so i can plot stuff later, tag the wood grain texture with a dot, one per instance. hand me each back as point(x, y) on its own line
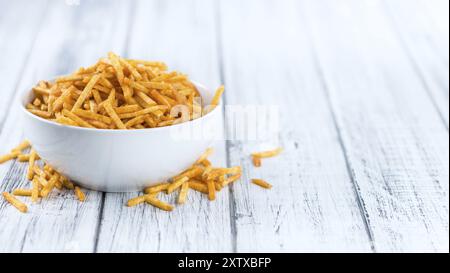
point(68, 41)
point(181, 33)
point(17, 34)
point(312, 206)
point(394, 140)
point(426, 44)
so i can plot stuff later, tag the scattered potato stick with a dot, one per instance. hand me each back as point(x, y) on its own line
point(217, 95)
point(176, 184)
point(266, 154)
point(22, 192)
point(50, 185)
point(9, 156)
point(30, 171)
point(211, 190)
point(23, 157)
point(205, 155)
point(158, 203)
point(136, 201)
point(38, 171)
point(66, 182)
point(206, 163)
point(206, 172)
point(261, 183)
point(183, 193)
point(15, 202)
point(79, 194)
point(42, 181)
point(256, 160)
point(192, 172)
point(157, 188)
point(35, 190)
point(58, 184)
point(22, 146)
point(218, 185)
point(198, 186)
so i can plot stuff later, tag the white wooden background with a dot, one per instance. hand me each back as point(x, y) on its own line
point(363, 88)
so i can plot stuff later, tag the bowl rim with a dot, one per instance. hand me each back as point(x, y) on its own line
point(24, 96)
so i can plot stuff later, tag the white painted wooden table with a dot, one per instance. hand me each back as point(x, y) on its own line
point(363, 88)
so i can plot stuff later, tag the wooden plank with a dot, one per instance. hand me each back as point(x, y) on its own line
point(182, 33)
point(426, 43)
point(395, 142)
point(268, 61)
point(17, 34)
point(65, 42)
point(438, 12)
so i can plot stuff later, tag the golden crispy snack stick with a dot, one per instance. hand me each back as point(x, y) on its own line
point(217, 95)
point(183, 193)
point(157, 188)
point(15, 202)
point(30, 171)
point(211, 190)
point(205, 155)
point(109, 109)
point(261, 183)
point(158, 203)
point(256, 160)
point(9, 156)
point(136, 201)
point(35, 190)
point(198, 186)
point(91, 115)
point(81, 122)
point(22, 146)
point(79, 194)
point(269, 153)
point(86, 92)
point(176, 184)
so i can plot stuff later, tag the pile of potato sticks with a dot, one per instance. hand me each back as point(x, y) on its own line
point(119, 93)
point(43, 177)
point(201, 177)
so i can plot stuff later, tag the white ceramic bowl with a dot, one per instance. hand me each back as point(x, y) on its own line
point(122, 160)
